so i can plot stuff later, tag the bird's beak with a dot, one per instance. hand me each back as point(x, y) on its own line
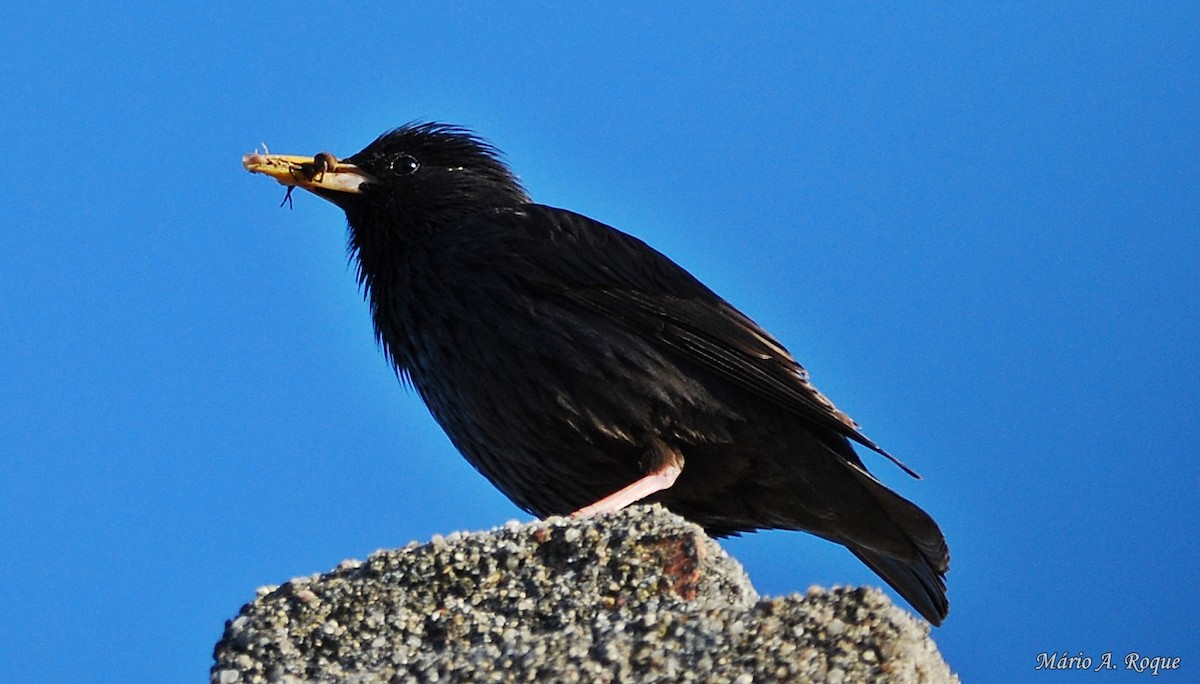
point(322, 175)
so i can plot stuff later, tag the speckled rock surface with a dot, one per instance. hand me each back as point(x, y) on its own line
point(637, 596)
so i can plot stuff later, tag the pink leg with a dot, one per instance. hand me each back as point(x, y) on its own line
point(655, 481)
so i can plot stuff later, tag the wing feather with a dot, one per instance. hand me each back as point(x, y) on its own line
point(615, 274)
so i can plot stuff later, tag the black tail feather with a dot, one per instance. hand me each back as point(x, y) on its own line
point(919, 583)
point(911, 555)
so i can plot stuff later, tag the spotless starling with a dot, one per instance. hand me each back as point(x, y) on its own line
point(581, 371)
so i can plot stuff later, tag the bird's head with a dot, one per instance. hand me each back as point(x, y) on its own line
point(417, 175)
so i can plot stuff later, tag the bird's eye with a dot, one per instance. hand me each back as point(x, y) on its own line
point(405, 164)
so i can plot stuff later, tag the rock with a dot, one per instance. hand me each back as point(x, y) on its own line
point(637, 596)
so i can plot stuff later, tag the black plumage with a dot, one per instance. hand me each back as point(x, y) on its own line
point(567, 360)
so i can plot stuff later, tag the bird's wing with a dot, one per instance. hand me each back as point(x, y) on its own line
point(614, 273)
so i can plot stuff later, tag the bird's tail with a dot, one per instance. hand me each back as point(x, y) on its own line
point(915, 558)
point(919, 583)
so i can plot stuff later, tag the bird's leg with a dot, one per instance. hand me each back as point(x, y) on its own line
point(655, 481)
point(664, 464)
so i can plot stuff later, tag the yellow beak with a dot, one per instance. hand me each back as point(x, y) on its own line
point(316, 174)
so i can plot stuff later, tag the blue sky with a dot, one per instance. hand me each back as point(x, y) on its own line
point(977, 226)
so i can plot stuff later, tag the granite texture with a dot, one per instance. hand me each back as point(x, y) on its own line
point(636, 596)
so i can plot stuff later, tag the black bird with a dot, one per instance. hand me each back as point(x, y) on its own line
point(580, 370)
